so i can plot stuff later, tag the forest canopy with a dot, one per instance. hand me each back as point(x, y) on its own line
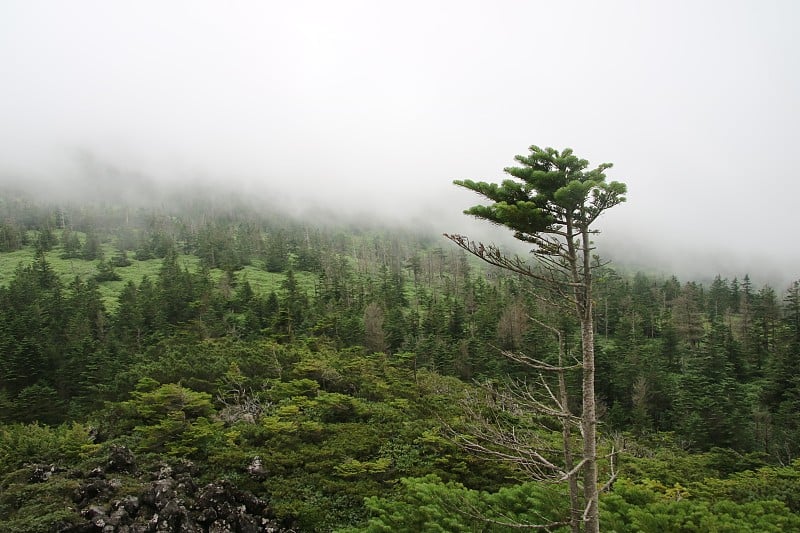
point(321, 373)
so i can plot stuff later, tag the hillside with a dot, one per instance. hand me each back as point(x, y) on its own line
point(204, 364)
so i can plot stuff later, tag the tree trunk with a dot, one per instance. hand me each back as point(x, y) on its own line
point(589, 430)
point(569, 462)
point(575, 517)
point(589, 417)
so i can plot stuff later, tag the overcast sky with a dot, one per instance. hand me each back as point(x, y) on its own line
point(377, 106)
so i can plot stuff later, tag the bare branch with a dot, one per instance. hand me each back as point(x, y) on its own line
point(612, 465)
point(494, 256)
point(536, 363)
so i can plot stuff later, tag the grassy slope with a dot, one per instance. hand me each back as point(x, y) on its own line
point(261, 281)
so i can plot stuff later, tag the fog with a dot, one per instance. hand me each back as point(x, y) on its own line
point(372, 109)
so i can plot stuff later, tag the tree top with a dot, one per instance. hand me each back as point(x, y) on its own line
point(553, 193)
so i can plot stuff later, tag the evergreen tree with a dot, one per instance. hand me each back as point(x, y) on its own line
point(175, 290)
point(86, 368)
point(92, 249)
point(395, 327)
point(105, 272)
point(120, 259)
point(735, 296)
point(276, 257)
point(782, 389)
point(765, 319)
point(31, 331)
point(46, 239)
point(70, 244)
point(719, 298)
point(128, 324)
point(293, 306)
point(687, 314)
point(11, 236)
point(553, 205)
point(711, 409)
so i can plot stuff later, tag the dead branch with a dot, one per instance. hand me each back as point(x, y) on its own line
point(494, 256)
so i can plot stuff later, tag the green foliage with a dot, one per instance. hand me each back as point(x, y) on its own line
point(106, 272)
point(37, 507)
point(551, 185)
point(92, 249)
point(46, 239)
point(39, 402)
point(710, 403)
point(180, 359)
point(426, 504)
point(652, 507)
point(167, 419)
point(34, 443)
point(11, 236)
point(660, 457)
point(763, 484)
point(152, 405)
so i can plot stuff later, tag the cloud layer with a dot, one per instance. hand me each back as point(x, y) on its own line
point(369, 107)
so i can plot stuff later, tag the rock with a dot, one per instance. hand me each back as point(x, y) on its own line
point(93, 511)
point(219, 526)
point(159, 493)
point(119, 516)
point(175, 515)
point(123, 512)
point(93, 489)
point(256, 469)
point(41, 473)
point(169, 502)
point(129, 503)
point(121, 459)
point(184, 467)
point(222, 507)
point(248, 524)
point(164, 472)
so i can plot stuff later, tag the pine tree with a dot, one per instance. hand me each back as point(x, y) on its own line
point(552, 205)
point(710, 407)
point(175, 290)
point(91, 248)
point(11, 236)
point(276, 258)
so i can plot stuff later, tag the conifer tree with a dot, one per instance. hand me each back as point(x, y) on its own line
point(91, 248)
point(552, 205)
point(11, 236)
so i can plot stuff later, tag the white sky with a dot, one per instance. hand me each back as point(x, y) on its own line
point(377, 106)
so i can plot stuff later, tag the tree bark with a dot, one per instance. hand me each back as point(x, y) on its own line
point(589, 431)
point(589, 416)
point(569, 462)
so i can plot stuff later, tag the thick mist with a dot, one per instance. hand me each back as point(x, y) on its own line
point(364, 110)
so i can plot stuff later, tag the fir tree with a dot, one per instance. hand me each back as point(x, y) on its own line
point(552, 205)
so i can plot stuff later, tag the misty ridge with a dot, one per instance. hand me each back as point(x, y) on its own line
point(238, 354)
point(368, 112)
point(91, 179)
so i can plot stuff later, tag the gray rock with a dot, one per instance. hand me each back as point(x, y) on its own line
point(121, 459)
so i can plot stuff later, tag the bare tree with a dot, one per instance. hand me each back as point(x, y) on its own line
point(374, 335)
point(514, 422)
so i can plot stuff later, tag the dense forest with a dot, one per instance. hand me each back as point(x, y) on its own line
point(205, 364)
